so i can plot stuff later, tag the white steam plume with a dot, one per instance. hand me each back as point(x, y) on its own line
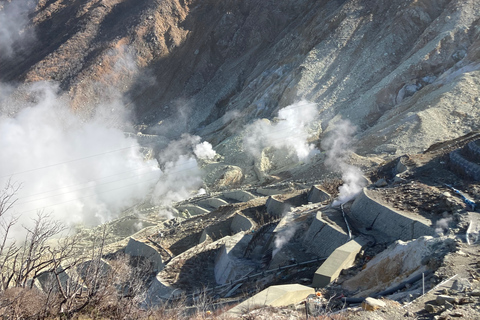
point(286, 233)
point(84, 172)
point(339, 147)
point(204, 151)
point(14, 32)
point(182, 176)
point(442, 225)
point(290, 132)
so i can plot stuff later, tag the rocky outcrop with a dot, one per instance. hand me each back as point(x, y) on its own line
point(399, 262)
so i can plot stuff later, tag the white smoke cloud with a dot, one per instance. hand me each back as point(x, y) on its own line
point(182, 176)
point(181, 179)
point(286, 232)
point(14, 32)
point(442, 225)
point(84, 172)
point(204, 151)
point(339, 148)
point(282, 238)
point(290, 132)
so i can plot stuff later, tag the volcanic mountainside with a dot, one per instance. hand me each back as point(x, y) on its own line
point(301, 106)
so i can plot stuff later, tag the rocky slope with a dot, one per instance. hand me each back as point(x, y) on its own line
point(283, 91)
point(404, 72)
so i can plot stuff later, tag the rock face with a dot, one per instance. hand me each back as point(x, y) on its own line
point(400, 261)
point(405, 72)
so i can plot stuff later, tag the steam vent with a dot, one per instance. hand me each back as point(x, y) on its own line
point(240, 159)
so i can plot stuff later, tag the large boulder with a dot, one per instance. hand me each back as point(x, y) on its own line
point(398, 263)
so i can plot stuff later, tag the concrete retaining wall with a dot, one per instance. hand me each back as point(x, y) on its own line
point(213, 202)
point(268, 192)
point(241, 223)
point(474, 149)
point(317, 194)
point(323, 237)
point(239, 195)
point(341, 258)
point(88, 268)
point(137, 248)
point(229, 264)
point(193, 210)
point(470, 169)
point(276, 207)
point(68, 279)
point(159, 292)
point(385, 223)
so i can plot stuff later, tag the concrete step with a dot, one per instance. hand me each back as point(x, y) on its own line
point(341, 258)
point(274, 296)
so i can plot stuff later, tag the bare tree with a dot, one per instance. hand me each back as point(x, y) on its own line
point(7, 220)
point(49, 274)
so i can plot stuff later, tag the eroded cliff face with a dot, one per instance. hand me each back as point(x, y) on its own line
point(405, 72)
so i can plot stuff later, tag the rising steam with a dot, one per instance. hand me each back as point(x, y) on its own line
point(86, 171)
point(339, 148)
point(182, 174)
point(290, 132)
point(286, 233)
point(14, 32)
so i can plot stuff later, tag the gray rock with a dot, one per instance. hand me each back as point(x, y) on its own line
point(372, 304)
point(448, 305)
point(381, 183)
point(430, 308)
point(442, 299)
point(400, 167)
point(461, 285)
point(397, 179)
point(475, 293)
